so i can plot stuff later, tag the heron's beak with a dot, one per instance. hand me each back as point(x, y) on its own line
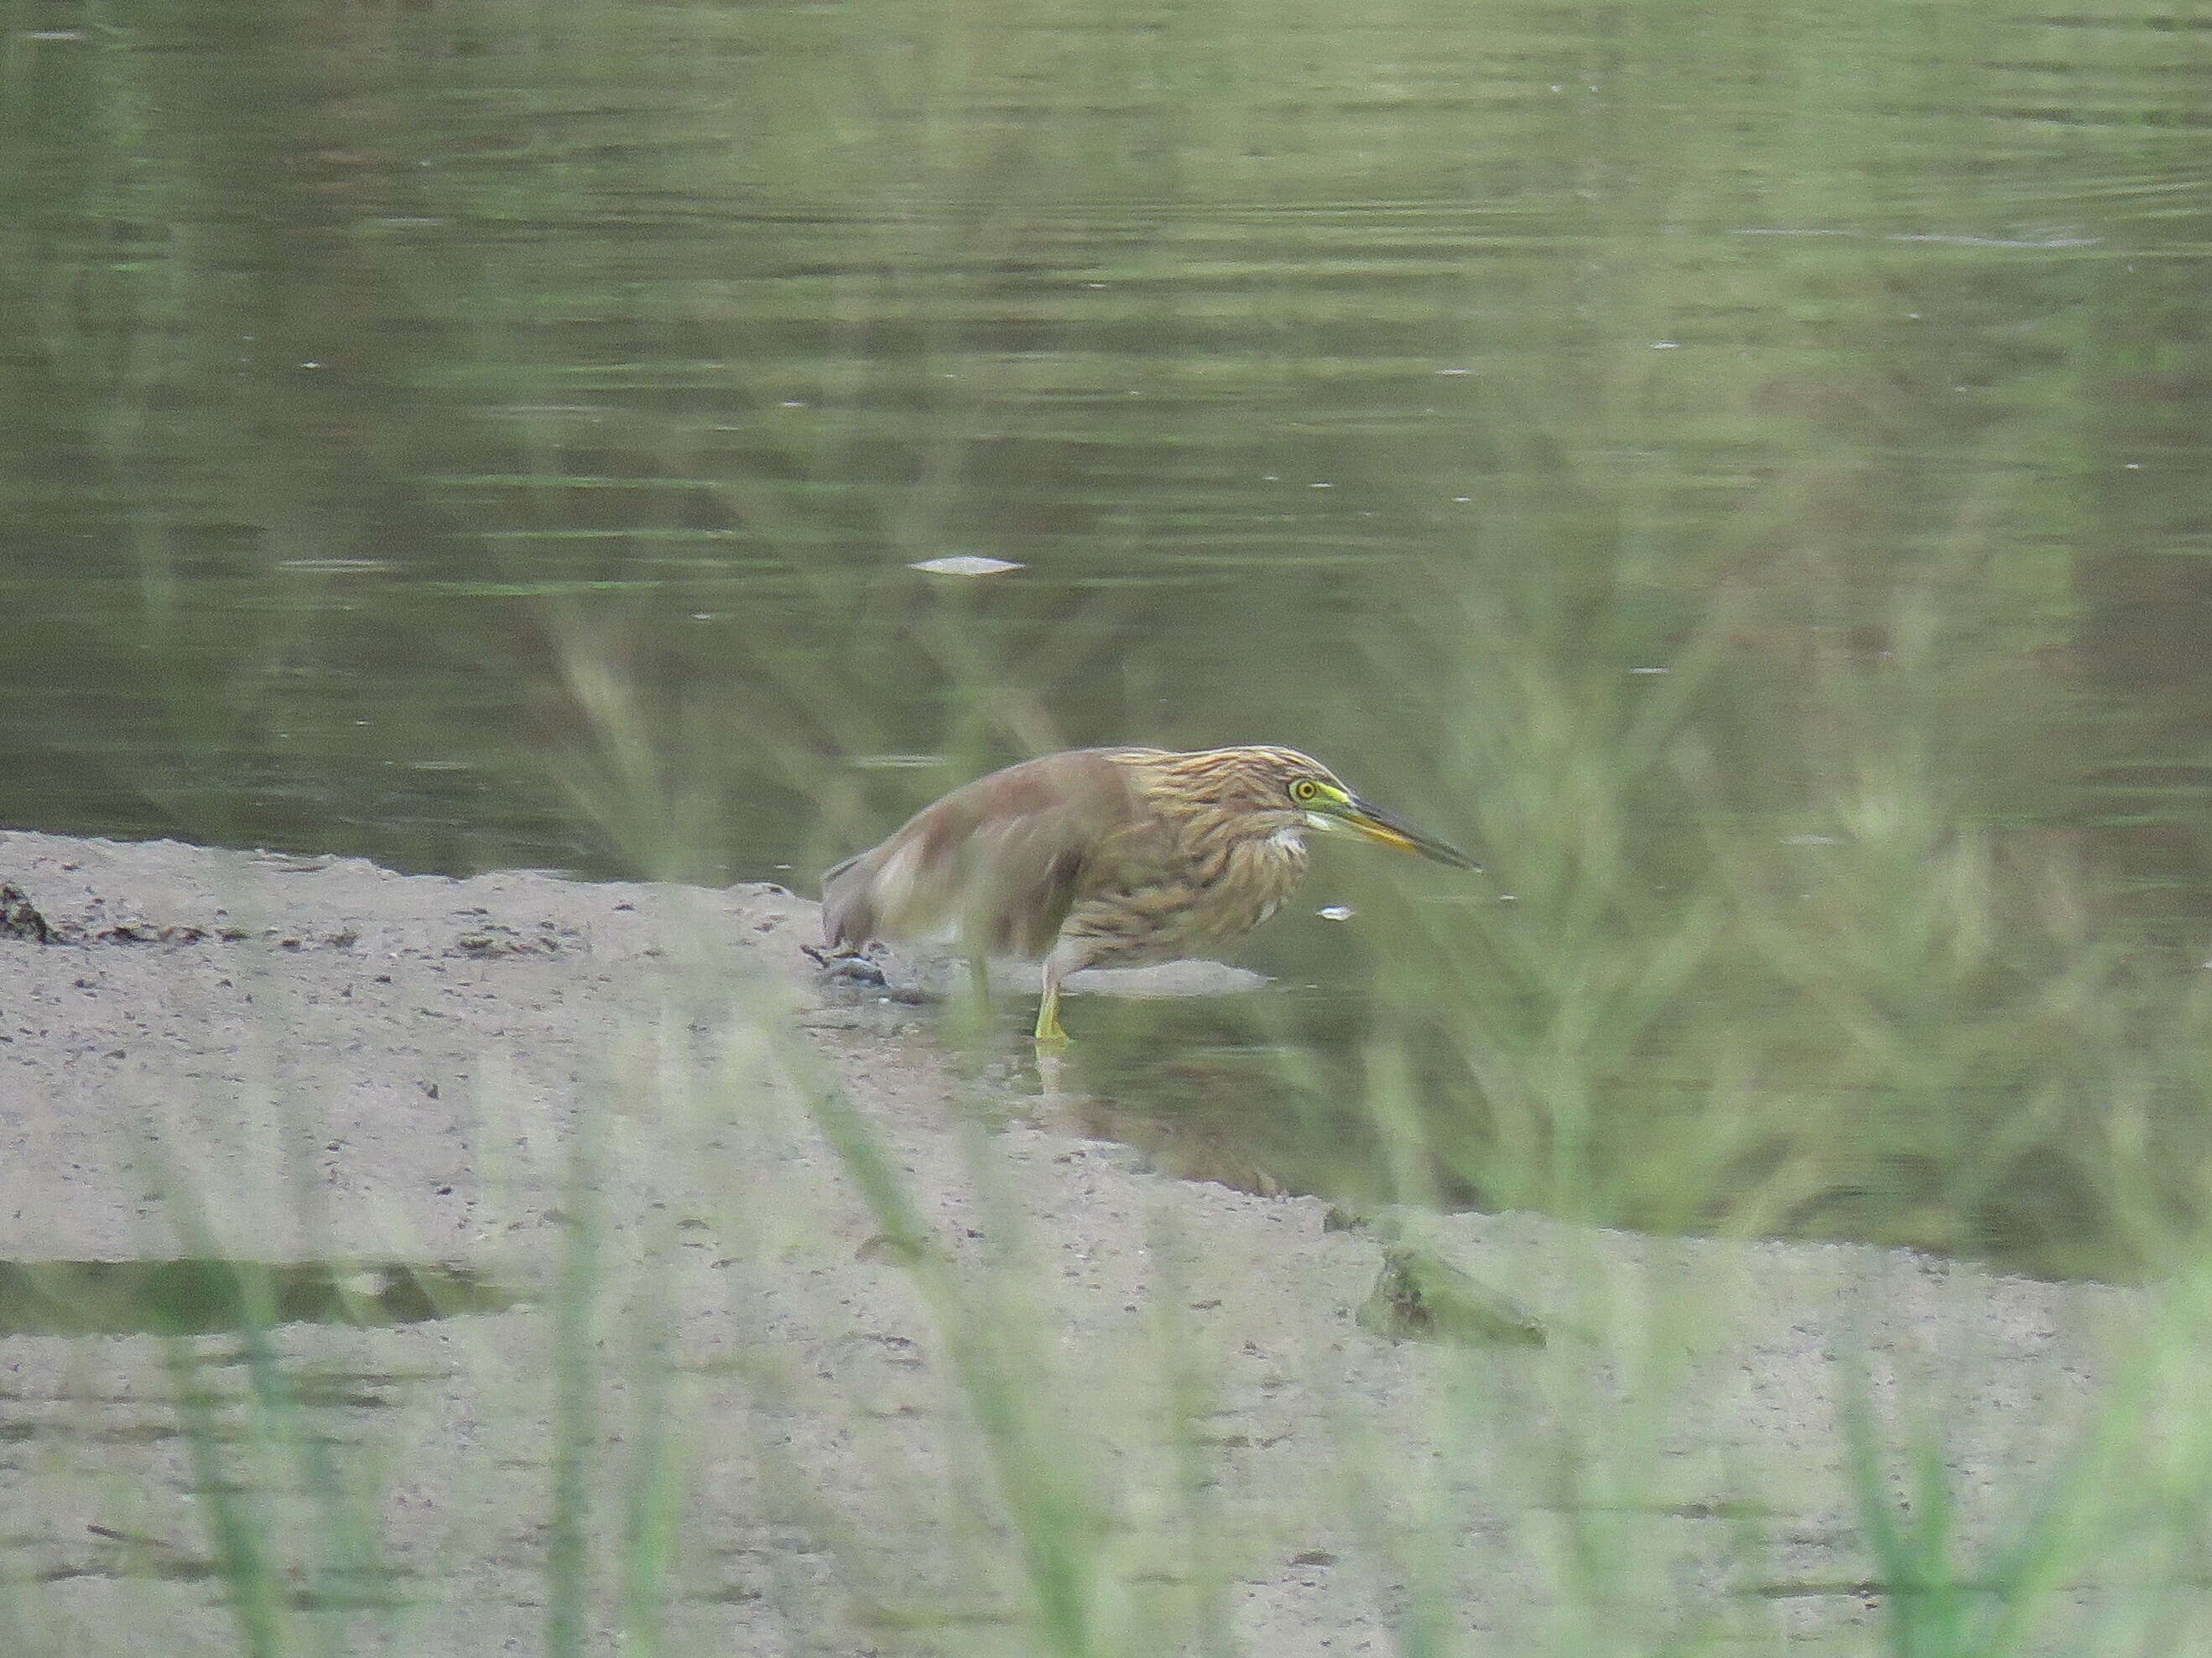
point(1377, 825)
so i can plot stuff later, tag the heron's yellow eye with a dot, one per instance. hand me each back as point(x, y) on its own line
point(1305, 789)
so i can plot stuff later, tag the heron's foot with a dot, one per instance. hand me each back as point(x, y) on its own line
point(849, 966)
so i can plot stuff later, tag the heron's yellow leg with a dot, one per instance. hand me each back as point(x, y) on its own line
point(1048, 1033)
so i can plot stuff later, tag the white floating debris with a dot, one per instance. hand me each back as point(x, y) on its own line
point(1812, 840)
point(964, 564)
point(1647, 671)
point(1335, 912)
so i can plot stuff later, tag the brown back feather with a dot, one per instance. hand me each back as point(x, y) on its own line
point(1002, 858)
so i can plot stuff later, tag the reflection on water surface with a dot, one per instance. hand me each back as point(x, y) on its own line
point(205, 1295)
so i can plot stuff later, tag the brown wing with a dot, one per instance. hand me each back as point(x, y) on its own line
point(1002, 859)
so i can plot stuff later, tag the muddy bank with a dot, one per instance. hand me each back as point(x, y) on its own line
point(215, 1055)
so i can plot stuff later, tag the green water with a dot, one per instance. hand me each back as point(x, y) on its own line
point(485, 434)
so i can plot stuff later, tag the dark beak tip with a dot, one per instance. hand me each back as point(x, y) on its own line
point(1427, 845)
point(1441, 852)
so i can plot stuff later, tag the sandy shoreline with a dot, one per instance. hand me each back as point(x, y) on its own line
point(288, 1059)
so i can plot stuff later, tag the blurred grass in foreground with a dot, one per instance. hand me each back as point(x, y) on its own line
point(1781, 954)
point(1785, 970)
point(1756, 952)
point(1825, 992)
point(1805, 976)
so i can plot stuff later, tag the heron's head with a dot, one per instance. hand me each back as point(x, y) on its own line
point(1282, 791)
